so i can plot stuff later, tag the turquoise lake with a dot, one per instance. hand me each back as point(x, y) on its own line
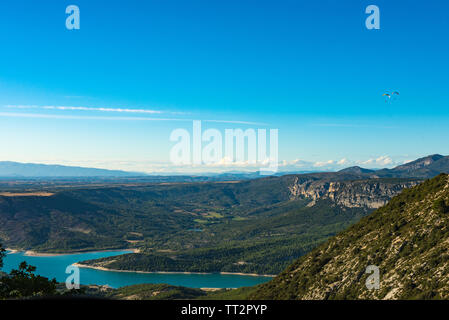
point(55, 266)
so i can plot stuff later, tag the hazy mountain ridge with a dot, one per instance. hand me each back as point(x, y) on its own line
point(17, 170)
point(408, 239)
point(422, 168)
point(426, 167)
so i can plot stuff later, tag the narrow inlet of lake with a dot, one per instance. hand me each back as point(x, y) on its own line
point(55, 267)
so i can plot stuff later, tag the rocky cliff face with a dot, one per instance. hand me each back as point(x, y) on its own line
point(372, 194)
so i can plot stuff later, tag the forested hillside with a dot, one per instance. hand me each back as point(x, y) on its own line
point(251, 226)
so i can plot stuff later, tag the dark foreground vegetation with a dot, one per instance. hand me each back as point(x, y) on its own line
point(24, 283)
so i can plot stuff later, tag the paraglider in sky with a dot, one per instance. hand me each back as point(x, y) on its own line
point(394, 94)
point(388, 95)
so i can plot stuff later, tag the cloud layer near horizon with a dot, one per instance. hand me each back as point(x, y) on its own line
point(162, 167)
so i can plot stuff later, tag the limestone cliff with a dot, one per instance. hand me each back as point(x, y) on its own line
point(372, 194)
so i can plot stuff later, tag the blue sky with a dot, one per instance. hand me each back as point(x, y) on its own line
point(308, 68)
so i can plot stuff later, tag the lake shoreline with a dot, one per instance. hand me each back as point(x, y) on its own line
point(31, 253)
point(172, 272)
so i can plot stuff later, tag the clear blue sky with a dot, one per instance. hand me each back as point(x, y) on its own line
point(309, 68)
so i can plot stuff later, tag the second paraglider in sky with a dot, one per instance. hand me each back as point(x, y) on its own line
point(390, 96)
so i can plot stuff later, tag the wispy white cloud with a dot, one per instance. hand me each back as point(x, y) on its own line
point(343, 162)
point(114, 118)
point(323, 163)
point(238, 122)
point(74, 117)
point(100, 109)
point(382, 160)
point(121, 110)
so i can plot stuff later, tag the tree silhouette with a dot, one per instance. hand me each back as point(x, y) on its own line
point(2, 255)
point(23, 283)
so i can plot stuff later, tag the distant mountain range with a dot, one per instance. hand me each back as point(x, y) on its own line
point(426, 167)
point(22, 170)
